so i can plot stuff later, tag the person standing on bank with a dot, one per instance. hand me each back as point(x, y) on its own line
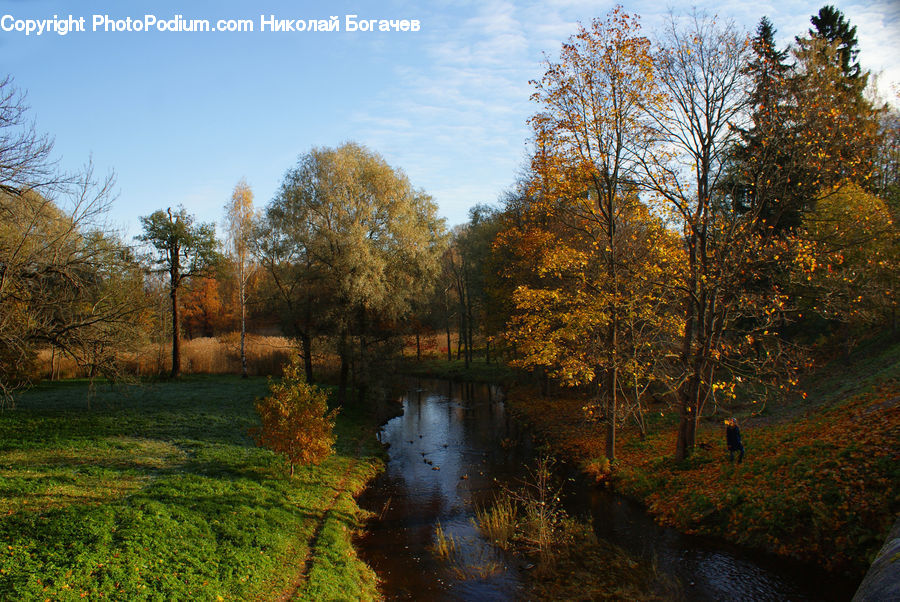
point(733, 439)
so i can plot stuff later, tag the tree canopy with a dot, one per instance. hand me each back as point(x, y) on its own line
point(183, 250)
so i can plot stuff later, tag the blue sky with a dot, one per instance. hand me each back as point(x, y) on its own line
point(181, 117)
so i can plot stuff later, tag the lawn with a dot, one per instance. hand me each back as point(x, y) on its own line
point(157, 492)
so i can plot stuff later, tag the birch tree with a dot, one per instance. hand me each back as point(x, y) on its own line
point(239, 223)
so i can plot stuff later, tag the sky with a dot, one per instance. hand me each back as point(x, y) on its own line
point(180, 117)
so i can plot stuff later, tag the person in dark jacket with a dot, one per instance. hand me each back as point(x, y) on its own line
point(733, 439)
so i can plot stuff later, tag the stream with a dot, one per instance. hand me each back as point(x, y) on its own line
point(455, 447)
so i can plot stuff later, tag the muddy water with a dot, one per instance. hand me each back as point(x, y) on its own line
point(454, 447)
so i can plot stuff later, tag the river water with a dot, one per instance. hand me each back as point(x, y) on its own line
point(452, 450)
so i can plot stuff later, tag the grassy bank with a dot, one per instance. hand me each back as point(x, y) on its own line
point(820, 482)
point(157, 491)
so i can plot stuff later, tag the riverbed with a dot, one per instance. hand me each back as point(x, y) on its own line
point(455, 447)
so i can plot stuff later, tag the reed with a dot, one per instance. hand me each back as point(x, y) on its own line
point(498, 522)
point(444, 546)
point(266, 356)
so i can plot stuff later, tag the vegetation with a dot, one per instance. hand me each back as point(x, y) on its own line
point(184, 250)
point(704, 219)
point(355, 227)
point(570, 561)
point(836, 448)
point(158, 492)
point(296, 421)
point(239, 218)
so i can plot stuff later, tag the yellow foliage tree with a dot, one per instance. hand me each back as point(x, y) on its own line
point(850, 257)
point(591, 132)
point(295, 418)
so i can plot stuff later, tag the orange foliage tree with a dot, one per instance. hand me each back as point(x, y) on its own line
point(203, 310)
point(591, 130)
point(295, 419)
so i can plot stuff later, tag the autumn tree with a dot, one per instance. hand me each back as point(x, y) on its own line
point(293, 289)
point(66, 281)
point(372, 239)
point(295, 419)
point(202, 310)
point(464, 264)
point(886, 180)
point(592, 129)
point(836, 125)
point(183, 250)
point(239, 221)
point(848, 262)
point(701, 67)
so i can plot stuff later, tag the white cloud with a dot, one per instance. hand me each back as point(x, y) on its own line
point(458, 124)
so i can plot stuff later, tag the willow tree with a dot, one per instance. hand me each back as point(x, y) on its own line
point(592, 127)
point(373, 240)
point(183, 250)
point(239, 222)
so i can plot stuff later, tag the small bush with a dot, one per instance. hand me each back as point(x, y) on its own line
point(295, 419)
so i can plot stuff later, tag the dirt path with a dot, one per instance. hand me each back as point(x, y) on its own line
point(301, 577)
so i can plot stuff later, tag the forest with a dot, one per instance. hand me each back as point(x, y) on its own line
point(706, 227)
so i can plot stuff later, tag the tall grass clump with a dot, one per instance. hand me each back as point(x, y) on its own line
point(444, 546)
point(498, 521)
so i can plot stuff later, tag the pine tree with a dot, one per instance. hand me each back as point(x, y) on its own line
point(763, 166)
point(831, 26)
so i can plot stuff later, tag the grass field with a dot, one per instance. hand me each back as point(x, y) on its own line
point(157, 492)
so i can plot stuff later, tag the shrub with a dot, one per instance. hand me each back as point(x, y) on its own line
point(295, 419)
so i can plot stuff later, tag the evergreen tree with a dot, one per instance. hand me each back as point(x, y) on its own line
point(763, 167)
point(831, 26)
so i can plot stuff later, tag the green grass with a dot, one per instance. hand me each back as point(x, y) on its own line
point(157, 492)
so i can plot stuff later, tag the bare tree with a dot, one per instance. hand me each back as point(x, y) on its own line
point(66, 281)
point(700, 67)
point(25, 162)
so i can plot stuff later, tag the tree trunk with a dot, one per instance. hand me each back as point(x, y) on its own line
point(449, 347)
point(243, 324)
point(418, 348)
point(306, 342)
point(345, 369)
point(612, 373)
point(687, 425)
point(176, 334)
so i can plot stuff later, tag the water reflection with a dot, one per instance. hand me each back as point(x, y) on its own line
point(448, 452)
point(445, 458)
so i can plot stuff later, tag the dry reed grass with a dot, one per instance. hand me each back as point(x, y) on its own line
point(266, 355)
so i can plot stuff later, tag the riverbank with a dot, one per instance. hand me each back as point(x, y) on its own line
point(820, 482)
point(478, 371)
point(157, 491)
